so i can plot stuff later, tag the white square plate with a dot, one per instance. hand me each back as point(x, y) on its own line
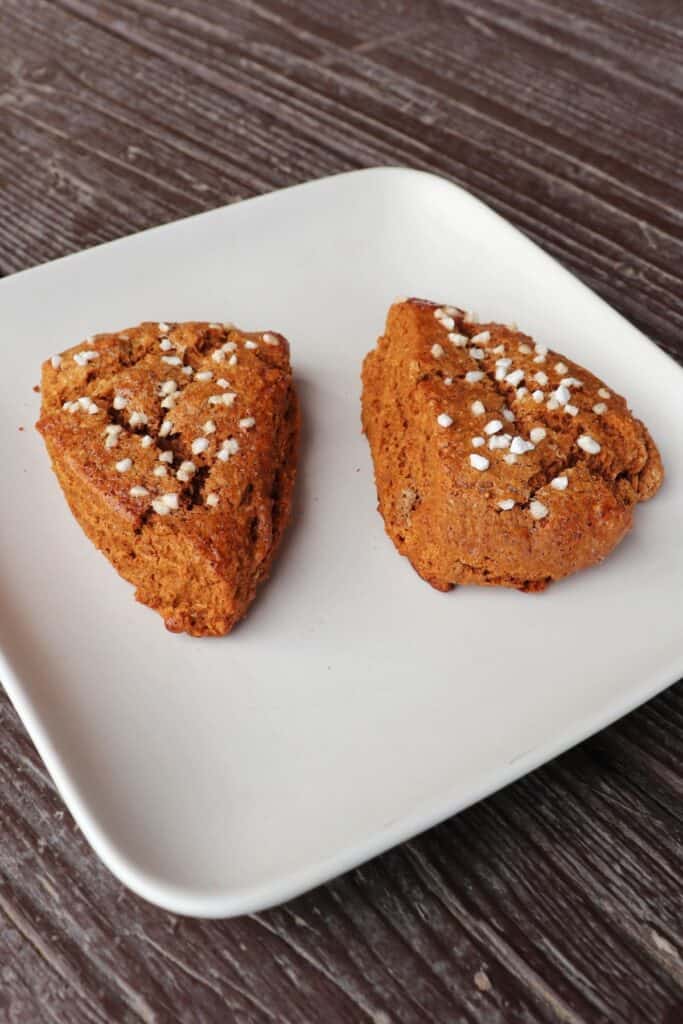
point(354, 706)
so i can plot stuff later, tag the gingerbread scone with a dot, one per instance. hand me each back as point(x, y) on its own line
point(175, 446)
point(497, 461)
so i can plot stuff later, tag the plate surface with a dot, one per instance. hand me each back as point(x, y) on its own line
point(355, 706)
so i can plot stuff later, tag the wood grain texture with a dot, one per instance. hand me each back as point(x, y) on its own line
point(558, 899)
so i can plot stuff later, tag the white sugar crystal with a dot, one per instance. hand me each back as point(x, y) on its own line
point(123, 465)
point(474, 376)
point(538, 510)
point(515, 378)
point(588, 444)
point(199, 445)
point(537, 434)
point(443, 419)
point(478, 408)
point(520, 446)
point(228, 449)
point(559, 483)
point(437, 351)
point(477, 442)
point(493, 426)
point(599, 408)
point(506, 504)
point(561, 395)
point(213, 499)
point(138, 491)
point(479, 462)
point(85, 357)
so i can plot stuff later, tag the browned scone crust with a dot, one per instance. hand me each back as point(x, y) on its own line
point(443, 512)
point(229, 463)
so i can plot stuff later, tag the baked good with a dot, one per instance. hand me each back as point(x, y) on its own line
point(175, 446)
point(497, 461)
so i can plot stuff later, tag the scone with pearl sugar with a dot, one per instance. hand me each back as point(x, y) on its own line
point(497, 461)
point(175, 446)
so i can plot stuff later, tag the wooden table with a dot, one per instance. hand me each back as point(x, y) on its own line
point(558, 899)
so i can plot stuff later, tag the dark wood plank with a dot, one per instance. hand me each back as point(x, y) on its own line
point(558, 899)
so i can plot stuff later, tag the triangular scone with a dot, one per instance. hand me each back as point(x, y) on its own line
point(497, 461)
point(175, 446)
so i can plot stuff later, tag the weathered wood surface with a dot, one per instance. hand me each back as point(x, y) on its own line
point(558, 899)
